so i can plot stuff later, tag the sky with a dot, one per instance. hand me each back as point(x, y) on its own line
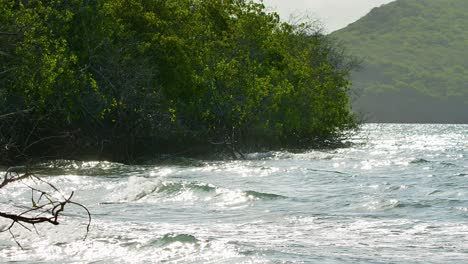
point(332, 14)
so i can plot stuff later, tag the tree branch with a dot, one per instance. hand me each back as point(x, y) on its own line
point(9, 33)
point(49, 206)
point(20, 112)
point(12, 179)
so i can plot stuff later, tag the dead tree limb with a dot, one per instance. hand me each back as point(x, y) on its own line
point(46, 208)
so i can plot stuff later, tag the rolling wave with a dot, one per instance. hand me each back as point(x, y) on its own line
point(140, 189)
point(171, 238)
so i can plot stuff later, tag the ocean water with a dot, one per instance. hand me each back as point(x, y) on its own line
point(399, 194)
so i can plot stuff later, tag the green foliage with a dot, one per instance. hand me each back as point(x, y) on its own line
point(412, 44)
point(131, 75)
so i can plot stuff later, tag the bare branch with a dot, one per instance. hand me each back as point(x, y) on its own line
point(20, 112)
point(6, 55)
point(28, 220)
point(89, 218)
point(14, 238)
point(8, 178)
point(9, 33)
point(48, 210)
point(65, 135)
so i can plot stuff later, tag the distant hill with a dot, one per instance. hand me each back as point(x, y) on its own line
point(415, 66)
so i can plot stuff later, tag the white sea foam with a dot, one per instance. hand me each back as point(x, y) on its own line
point(398, 196)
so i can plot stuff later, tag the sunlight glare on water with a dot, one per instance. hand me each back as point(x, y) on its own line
point(399, 194)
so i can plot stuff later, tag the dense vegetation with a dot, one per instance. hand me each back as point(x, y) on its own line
point(121, 79)
point(415, 55)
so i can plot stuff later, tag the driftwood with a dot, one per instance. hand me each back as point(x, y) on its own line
point(45, 208)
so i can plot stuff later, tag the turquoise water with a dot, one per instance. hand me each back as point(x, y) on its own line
point(398, 195)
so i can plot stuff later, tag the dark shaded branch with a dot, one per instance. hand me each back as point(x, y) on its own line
point(10, 33)
point(65, 135)
point(28, 220)
point(7, 180)
point(20, 112)
point(89, 217)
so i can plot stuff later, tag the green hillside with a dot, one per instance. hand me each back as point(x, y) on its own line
point(415, 61)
